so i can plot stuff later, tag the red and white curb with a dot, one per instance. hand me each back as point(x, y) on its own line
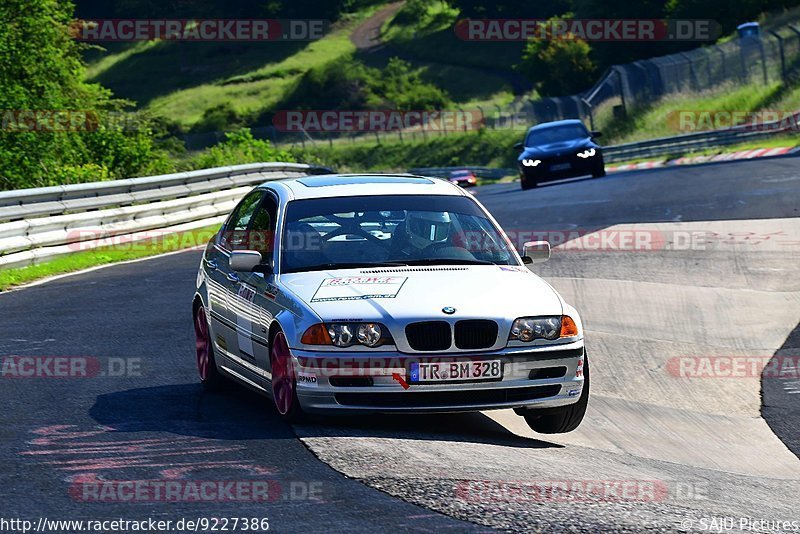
point(730, 156)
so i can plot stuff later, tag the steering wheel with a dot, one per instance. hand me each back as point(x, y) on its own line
point(431, 250)
point(386, 243)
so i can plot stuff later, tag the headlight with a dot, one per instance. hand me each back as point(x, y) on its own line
point(347, 334)
point(531, 328)
point(531, 162)
point(588, 153)
point(369, 334)
point(341, 334)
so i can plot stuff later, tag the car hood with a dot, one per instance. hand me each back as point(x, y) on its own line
point(416, 293)
point(563, 147)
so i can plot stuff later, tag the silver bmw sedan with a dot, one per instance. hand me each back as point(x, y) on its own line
point(385, 293)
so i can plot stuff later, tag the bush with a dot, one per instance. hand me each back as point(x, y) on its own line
point(346, 83)
point(239, 147)
point(558, 67)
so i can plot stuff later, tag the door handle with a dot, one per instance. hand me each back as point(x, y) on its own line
point(212, 265)
point(233, 277)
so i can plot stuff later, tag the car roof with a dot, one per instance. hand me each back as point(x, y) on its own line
point(345, 185)
point(553, 124)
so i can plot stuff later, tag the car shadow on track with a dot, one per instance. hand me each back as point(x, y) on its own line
point(472, 427)
point(238, 414)
point(780, 392)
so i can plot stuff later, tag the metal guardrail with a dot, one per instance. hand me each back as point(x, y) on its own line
point(652, 148)
point(682, 144)
point(45, 222)
point(489, 173)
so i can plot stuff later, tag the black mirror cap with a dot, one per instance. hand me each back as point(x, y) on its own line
point(518, 146)
point(597, 134)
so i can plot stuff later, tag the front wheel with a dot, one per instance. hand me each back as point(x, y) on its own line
point(284, 385)
point(527, 183)
point(565, 418)
point(599, 170)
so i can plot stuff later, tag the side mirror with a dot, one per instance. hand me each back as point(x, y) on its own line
point(535, 252)
point(518, 146)
point(597, 134)
point(247, 261)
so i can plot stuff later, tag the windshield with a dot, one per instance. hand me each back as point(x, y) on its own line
point(556, 134)
point(350, 232)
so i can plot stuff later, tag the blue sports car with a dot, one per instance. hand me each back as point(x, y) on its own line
point(556, 150)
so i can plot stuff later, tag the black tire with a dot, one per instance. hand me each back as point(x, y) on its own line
point(564, 419)
point(527, 183)
point(210, 378)
point(599, 170)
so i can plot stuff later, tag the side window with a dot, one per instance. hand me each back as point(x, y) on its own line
point(262, 232)
point(234, 237)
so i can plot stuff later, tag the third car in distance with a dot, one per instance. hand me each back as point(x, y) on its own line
point(556, 150)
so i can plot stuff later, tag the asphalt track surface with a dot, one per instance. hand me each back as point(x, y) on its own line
point(708, 443)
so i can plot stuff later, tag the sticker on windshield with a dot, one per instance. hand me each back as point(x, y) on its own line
point(359, 288)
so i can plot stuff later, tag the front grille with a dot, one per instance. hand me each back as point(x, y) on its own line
point(475, 334)
point(429, 335)
point(447, 398)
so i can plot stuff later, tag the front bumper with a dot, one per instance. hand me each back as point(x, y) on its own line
point(533, 377)
point(553, 168)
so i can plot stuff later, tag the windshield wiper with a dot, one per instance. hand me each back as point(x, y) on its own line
point(449, 261)
point(346, 265)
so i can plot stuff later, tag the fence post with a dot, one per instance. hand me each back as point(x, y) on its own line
point(724, 60)
point(591, 114)
point(692, 74)
point(621, 91)
point(763, 59)
point(783, 55)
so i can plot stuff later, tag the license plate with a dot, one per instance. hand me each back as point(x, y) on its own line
point(456, 371)
point(560, 167)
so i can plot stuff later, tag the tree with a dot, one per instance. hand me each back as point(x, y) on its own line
point(41, 76)
point(558, 67)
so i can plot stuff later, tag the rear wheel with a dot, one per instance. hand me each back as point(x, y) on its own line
point(210, 377)
point(563, 419)
point(284, 385)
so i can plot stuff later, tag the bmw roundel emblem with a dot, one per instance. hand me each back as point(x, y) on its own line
point(449, 310)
